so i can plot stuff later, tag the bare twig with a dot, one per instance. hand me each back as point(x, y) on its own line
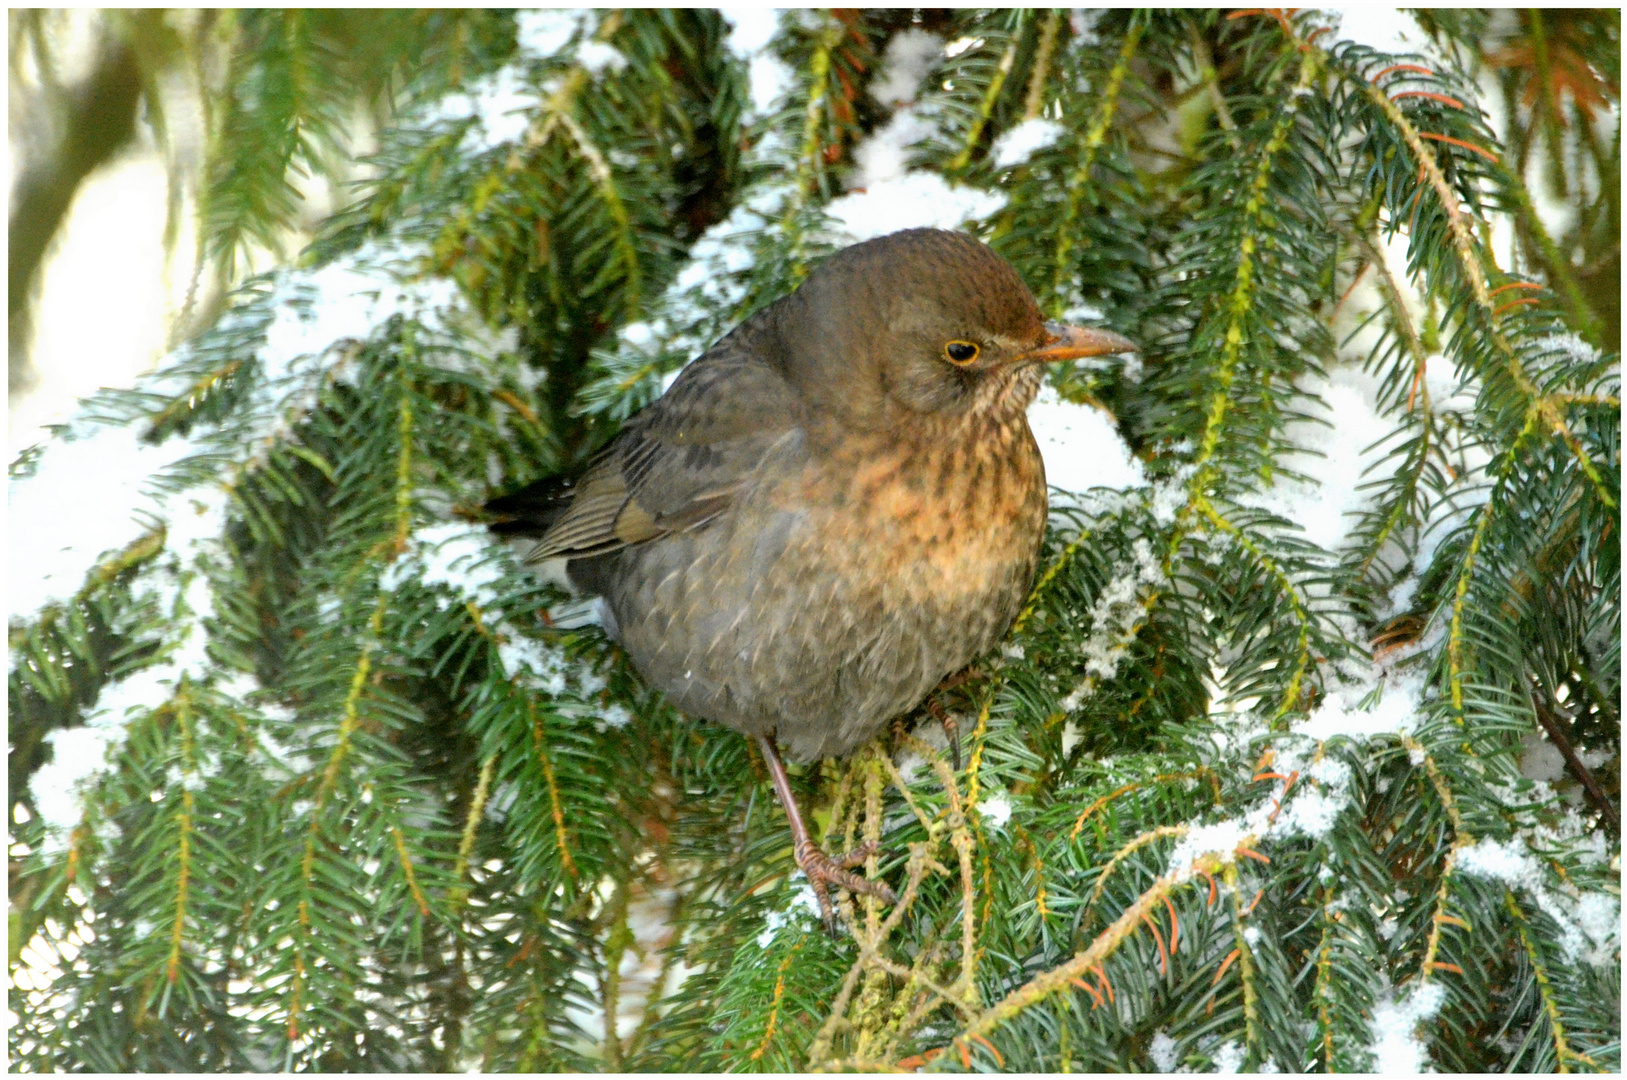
point(1550, 723)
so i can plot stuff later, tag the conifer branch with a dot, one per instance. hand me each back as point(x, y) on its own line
point(1296, 600)
point(1325, 995)
point(407, 872)
point(1050, 982)
point(809, 160)
point(1245, 961)
point(620, 937)
point(1439, 916)
point(1079, 182)
point(183, 821)
point(1502, 469)
point(1556, 1027)
point(1034, 101)
point(606, 180)
point(351, 719)
point(779, 996)
point(1240, 301)
point(471, 826)
point(1008, 58)
point(1464, 244)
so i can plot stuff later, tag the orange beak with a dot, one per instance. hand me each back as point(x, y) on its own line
point(1066, 342)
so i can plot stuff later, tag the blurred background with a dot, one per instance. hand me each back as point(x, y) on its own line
point(158, 157)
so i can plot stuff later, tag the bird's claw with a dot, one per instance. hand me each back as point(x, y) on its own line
point(823, 871)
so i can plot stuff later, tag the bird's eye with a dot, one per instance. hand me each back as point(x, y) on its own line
point(960, 352)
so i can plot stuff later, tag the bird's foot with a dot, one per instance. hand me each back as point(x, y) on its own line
point(823, 871)
point(959, 678)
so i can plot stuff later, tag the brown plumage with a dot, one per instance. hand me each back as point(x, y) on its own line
point(834, 507)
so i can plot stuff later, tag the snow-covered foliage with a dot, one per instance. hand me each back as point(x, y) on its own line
point(1256, 782)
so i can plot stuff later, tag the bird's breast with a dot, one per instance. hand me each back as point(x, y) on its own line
point(947, 519)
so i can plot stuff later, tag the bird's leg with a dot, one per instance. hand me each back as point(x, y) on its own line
point(899, 730)
point(821, 870)
point(951, 728)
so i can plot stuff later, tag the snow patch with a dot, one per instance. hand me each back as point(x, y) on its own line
point(1015, 146)
point(802, 912)
point(751, 28)
point(1081, 447)
point(461, 556)
point(1599, 917)
point(598, 57)
point(500, 105)
point(534, 663)
point(918, 200)
point(542, 32)
point(78, 755)
point(56, 539)
point(886, 195)
point(1313, 813)
point(81, 754)
point(1317, 804)
point(1228, 1057)
point(1117, 611)
point(909, 56)
point(1114, 620)
point(1383, 29)
point(1163, 1053)
point(996, 810)
point(884, 157)
point(768, 77)
point(1396, 713)
point(1222, 839)
point(1396, 1047)
point(1584, 931)
point(1333, 457)
point(347, 300)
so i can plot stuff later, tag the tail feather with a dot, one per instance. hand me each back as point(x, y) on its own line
point(533, 509)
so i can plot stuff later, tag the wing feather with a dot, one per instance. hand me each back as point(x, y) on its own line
point(682, 460)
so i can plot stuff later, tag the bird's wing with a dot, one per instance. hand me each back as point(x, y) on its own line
point(681, 460)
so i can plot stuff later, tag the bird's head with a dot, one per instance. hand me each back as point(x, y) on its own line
point(923, 321)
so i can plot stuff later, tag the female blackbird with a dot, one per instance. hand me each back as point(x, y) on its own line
point(834, 507)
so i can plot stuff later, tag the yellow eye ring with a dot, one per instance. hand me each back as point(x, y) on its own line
point(961, 353)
